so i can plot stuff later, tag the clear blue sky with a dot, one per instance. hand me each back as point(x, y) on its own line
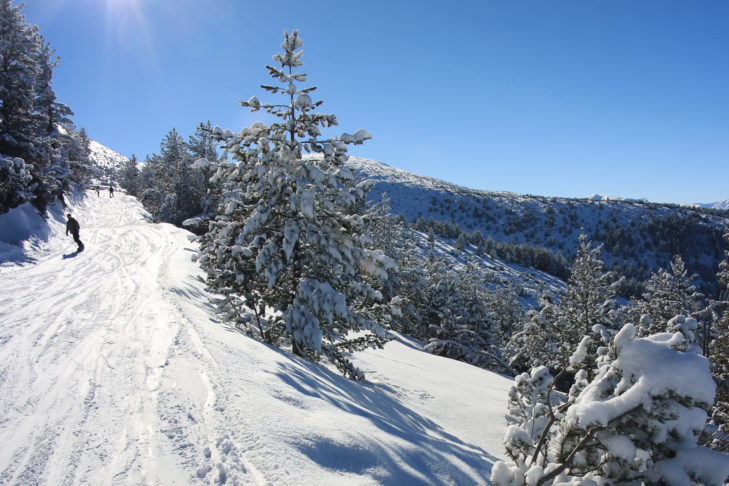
point(559, 98)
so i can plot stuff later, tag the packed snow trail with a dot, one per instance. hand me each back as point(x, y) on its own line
point(114, 370)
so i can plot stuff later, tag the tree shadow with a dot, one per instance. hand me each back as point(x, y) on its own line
point(416, 450)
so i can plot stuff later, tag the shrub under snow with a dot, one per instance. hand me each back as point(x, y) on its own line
point(638, 420)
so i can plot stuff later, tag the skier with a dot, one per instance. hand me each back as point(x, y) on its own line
point(73, 226)
point(97, 191)
point(111, 190)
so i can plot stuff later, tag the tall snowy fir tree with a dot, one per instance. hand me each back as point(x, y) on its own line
point(289, 239)
point(171, 185)
point(34, 154)
point(202, 143)
point(129, 176)
point(409, 285)
point(586, 307)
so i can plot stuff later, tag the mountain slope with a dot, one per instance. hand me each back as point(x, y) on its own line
point(638, 236)
point(114, 370)
point(724, 205)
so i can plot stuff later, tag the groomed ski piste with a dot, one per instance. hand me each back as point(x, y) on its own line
point(114, 369)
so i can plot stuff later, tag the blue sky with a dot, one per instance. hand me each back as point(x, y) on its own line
point(558, 98)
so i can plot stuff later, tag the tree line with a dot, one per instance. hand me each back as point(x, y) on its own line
point(42, 154)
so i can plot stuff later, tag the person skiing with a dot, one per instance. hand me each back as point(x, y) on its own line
point(97, 191)
point(111, 191)
point(73, 226)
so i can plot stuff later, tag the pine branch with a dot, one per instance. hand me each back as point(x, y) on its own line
point(552, 417)
point(581, 445)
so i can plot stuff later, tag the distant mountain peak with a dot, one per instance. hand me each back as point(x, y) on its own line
point(105, 157)
point(716, 205)
point(606, 197)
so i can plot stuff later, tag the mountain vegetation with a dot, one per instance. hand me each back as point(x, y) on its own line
point(42, 154)
point(612, 315)
point(309, 249)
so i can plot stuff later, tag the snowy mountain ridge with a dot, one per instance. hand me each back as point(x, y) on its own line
point(605, 197)
point(105, 157)
point(717, 205)
point(638, 236)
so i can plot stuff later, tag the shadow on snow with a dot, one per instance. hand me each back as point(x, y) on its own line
point(427, 454)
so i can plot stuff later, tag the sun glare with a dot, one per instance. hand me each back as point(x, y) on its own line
point(127, 28)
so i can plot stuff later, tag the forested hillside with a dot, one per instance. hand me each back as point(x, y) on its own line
point(638, 236)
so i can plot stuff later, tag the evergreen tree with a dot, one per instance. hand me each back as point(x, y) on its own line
point(173, 187)
point(408, 287)
point(535, 343)
point(638, 421)
point(507, 309)
point(668, 293)
point(18, 71)
point(587, 305)
point(15, 183)
point(462, 325)
point(129, 176)
point(202, 143)
point(29, 112)
point(289, 238)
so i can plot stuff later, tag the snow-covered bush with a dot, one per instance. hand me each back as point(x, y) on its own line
point(638, 421)
point(15, 183)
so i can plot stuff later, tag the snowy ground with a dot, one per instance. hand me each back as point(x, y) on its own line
point(114, 370)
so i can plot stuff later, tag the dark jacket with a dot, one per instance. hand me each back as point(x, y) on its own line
point(72, 226)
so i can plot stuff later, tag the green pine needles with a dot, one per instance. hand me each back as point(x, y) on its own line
point(288, 250)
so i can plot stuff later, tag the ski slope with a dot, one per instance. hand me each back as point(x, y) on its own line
point(115, 370)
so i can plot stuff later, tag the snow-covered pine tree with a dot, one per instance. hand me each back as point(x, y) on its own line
point(669, 292)
point(722, 276)
point(18, 71)
point(531, 410)
point(508, 310)
point(29, 112)
point(160, 178)
point(409, 285)
point(536, 342)
point(202, 144)
point(638, 421)
point(172, 186)
point(15, 182)
point(289, 236)
point(462, 325)
point(129, 176)
point(587, 305)
point(71, 155)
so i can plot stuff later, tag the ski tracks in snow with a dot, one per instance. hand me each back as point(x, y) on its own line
point(115, 371)
point(88, 350)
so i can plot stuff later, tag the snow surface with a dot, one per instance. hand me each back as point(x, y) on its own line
point(717, 205)
point(105, 157)
point(115, 370)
